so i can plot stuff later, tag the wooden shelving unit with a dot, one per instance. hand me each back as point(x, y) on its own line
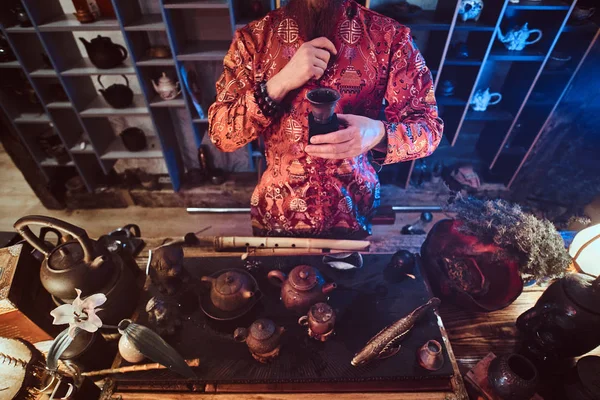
point(199, 33)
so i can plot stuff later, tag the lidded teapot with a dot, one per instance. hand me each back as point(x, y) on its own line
point(117, 94)
point(516, 39)
point(231, 290)
point(263, 338)
point(166, 88)
point(103, 53)
point(303, 287)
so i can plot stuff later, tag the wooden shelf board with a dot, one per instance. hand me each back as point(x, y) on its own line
point(200, 120)
point(539, 5)
point(10, 64)
point(426, 20)
point(149, 22)
point(462, 62)
point(199, 4)
point(513, 55)
point(176, 102)
point(156, 62)
point(473, 26)
point(117, 150)
point(100, 108)
point(450, 101)
point(20, 29)
point(69, 23)
point(209, 50)
point(489, 115)
point(43, 73)
point(32, 118)
point(85, 67)
point(59, 104)
point(51, 162)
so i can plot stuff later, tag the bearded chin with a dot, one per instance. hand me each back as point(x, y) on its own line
point(314, 22)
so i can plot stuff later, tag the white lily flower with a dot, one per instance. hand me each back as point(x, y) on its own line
point(80, 314)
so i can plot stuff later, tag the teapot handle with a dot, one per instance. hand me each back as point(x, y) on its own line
point(127, 82)
point(78, 233)
point(276, 277)
point(537, 39)
point(100, 82)
point(123, 50)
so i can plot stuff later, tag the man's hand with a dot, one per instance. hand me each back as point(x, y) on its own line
point(309, 62)
point(360, 135)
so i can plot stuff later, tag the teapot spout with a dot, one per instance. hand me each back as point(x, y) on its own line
point(85, 42)
point(155, 86)
point(280, 329)
point(208, 279)
point(501, 36)
point(247, 294)
point(329, 287)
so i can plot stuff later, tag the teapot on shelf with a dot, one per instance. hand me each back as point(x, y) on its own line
point(483, 98)
point(103, 53)
point(470, 9)
point(516, 39)
point(166, 88)
point(117, 95)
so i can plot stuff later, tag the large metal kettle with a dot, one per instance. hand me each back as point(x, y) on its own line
point(79, 262)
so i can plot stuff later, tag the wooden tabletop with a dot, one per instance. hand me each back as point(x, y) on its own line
point(472, 335)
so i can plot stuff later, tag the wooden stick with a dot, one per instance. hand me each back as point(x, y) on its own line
point(134, 368)
point(282, 251)
point(242, 242)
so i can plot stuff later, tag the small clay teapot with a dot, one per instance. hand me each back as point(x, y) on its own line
point(158, 52)
point(263, 339)
point(166, 88)
point(320, 321)
point(303, 287)
point(103, 53)
point(117, 95)
point(231, 290)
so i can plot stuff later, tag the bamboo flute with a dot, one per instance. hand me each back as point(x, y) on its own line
point(135, 368)
point(242, 242)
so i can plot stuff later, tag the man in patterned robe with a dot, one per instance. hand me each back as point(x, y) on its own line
point(326, 187)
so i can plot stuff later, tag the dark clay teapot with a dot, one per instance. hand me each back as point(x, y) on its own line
point(303, 287)
point(6, 53)
point(117, 95)
point(263, 339)
point(565, 321)
point(231, 290)
point(103, 53)
point(77, 263)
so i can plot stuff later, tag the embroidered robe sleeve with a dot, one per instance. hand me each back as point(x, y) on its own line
point(413, 127)
point(235, 118)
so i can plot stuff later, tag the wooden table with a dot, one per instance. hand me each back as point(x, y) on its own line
point(471, 335)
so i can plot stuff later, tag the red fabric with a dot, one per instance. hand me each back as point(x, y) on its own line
point(304, 196)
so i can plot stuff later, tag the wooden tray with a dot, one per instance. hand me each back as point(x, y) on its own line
point(364, 302)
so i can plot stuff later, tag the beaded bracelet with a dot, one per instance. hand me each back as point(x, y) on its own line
point(267, 105)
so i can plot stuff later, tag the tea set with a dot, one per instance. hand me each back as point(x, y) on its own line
point(483, 98)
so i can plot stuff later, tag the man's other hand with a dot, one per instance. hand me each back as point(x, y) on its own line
point(360, 135)
point(309, 62)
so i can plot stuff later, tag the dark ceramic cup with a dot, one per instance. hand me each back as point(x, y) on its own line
point(513, 377)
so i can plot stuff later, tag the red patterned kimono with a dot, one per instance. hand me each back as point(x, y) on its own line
point(300, 195)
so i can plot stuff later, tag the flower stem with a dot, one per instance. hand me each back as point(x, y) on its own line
point(104, 326)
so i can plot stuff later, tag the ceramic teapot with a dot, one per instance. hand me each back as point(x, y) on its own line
point(320, 321)
point(117, 95)
point(231, 290)
point(303, 287)
point(483, 98)
point(103, 53)
point(516, 39)
point(263, 338)
point(470, 9)
point(565, 320)
point(166, 88)
point(21, 15)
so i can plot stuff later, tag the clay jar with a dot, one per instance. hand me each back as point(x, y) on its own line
point(263, 339)
point(231, 290)
point(303, 287)
point(320, 321)
point(430, 355)
point(513, 377)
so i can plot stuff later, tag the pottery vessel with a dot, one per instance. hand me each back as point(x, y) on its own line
point(583, 381)
point(320, 321)
point(103, 53)
point(158, 52)
point(516, 39)
point(231, 290)
point(86, 11)
point(263, 339)
point(303, 287)
point(117, 95)
point(166, 88)
point(470, 9)
point(129, 352)
point(581, 13)
point(6, 53)
point(513, 377)
point(21, 15)
point(133, 139)
point(430, 355)
point(483, 98)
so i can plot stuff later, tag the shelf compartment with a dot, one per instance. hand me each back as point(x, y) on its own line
point(146, 61)
point(68, 23)
point(586, 26)
point(450, 101)
point(32, 118)
point(51, 162)
point(198, 4)
point(462, 61)
point(20, 29)
point(568, 71)
point(150, 22)
point(59, 104)
point(514, 55)
point(208, 50)
point(89, 149)
point(427, 20)
point(100, 108)
point(473, 26)
point(552, 5)
point(489, 115)
point(85, 67)
point(10, 64)
point(117, 150)
point(176, 102)
point(200, 120)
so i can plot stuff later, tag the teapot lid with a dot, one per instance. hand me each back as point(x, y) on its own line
point(321, 312)
point(231, 282)
point(262, 329)
point(101, 38)
point(583, 290)
point(66, 256)
point(164, 78)
point(305, 277)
